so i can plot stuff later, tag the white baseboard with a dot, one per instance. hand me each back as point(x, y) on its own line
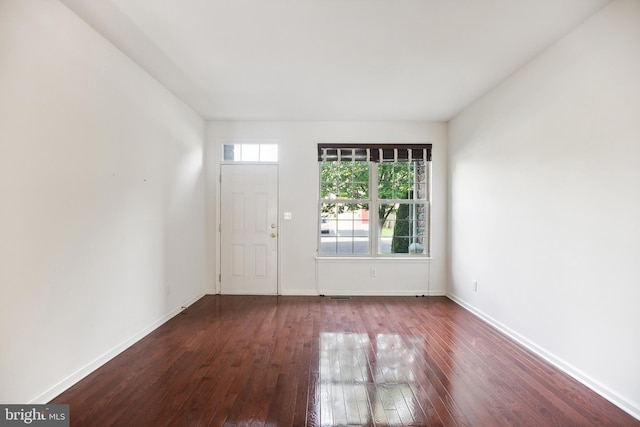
point(299, 292)
point(613, 397)
point(78, 375)
point(313, 292)
point(413, 293)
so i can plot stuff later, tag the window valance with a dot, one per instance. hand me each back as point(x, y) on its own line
point(332, 152)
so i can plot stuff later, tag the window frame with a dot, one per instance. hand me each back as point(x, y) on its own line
point(322, 201)
point(374, 201)
point(230, 146)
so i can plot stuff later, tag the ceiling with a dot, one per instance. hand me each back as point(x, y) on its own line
point(332, 59)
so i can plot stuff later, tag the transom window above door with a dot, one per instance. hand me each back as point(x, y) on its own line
point(374, 199)
point(250, 152)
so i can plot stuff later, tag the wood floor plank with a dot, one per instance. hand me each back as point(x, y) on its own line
point(317, 361)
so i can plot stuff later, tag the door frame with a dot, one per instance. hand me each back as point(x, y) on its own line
point(218, 236)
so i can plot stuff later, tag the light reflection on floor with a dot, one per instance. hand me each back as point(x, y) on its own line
point(365, 382)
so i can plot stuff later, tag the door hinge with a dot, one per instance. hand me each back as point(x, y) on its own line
point(220, 177)
point(219, 277)
point(219, 227)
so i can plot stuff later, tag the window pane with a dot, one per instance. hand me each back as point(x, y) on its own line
point(250, 152)
point(268, 152)
point(328, 180)
point(231, 152)
point(404, 228)
point(360, 180)
point(344, 180)
point(402, 180)
point(344, 229)
point(420, 181)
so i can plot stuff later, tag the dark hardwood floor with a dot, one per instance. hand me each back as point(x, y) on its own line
point(317, 361)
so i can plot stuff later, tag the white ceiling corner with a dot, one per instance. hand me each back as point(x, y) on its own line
point(332, 59)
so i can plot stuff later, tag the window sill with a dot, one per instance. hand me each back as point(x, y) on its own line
point(374, 258)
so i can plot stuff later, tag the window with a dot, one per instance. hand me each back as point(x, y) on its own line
point(374, 199)
point(250, 152)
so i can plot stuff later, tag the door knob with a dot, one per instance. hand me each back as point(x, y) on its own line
point(273, 226)
point(273, 234)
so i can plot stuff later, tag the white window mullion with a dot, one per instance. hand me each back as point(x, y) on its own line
point(373, 209)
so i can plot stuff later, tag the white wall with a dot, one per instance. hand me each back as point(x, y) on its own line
point(298, 194)
point(545, 204)
point(102, 201)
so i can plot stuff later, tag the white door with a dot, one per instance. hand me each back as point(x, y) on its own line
point(249, 229)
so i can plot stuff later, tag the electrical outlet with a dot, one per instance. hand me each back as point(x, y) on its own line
point(475, 286)
point(372, 272)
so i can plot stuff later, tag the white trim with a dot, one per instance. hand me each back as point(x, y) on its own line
point(300, 293)
point(604, 391)
point(411, 293)
point(81, 373)
point(387, 258)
